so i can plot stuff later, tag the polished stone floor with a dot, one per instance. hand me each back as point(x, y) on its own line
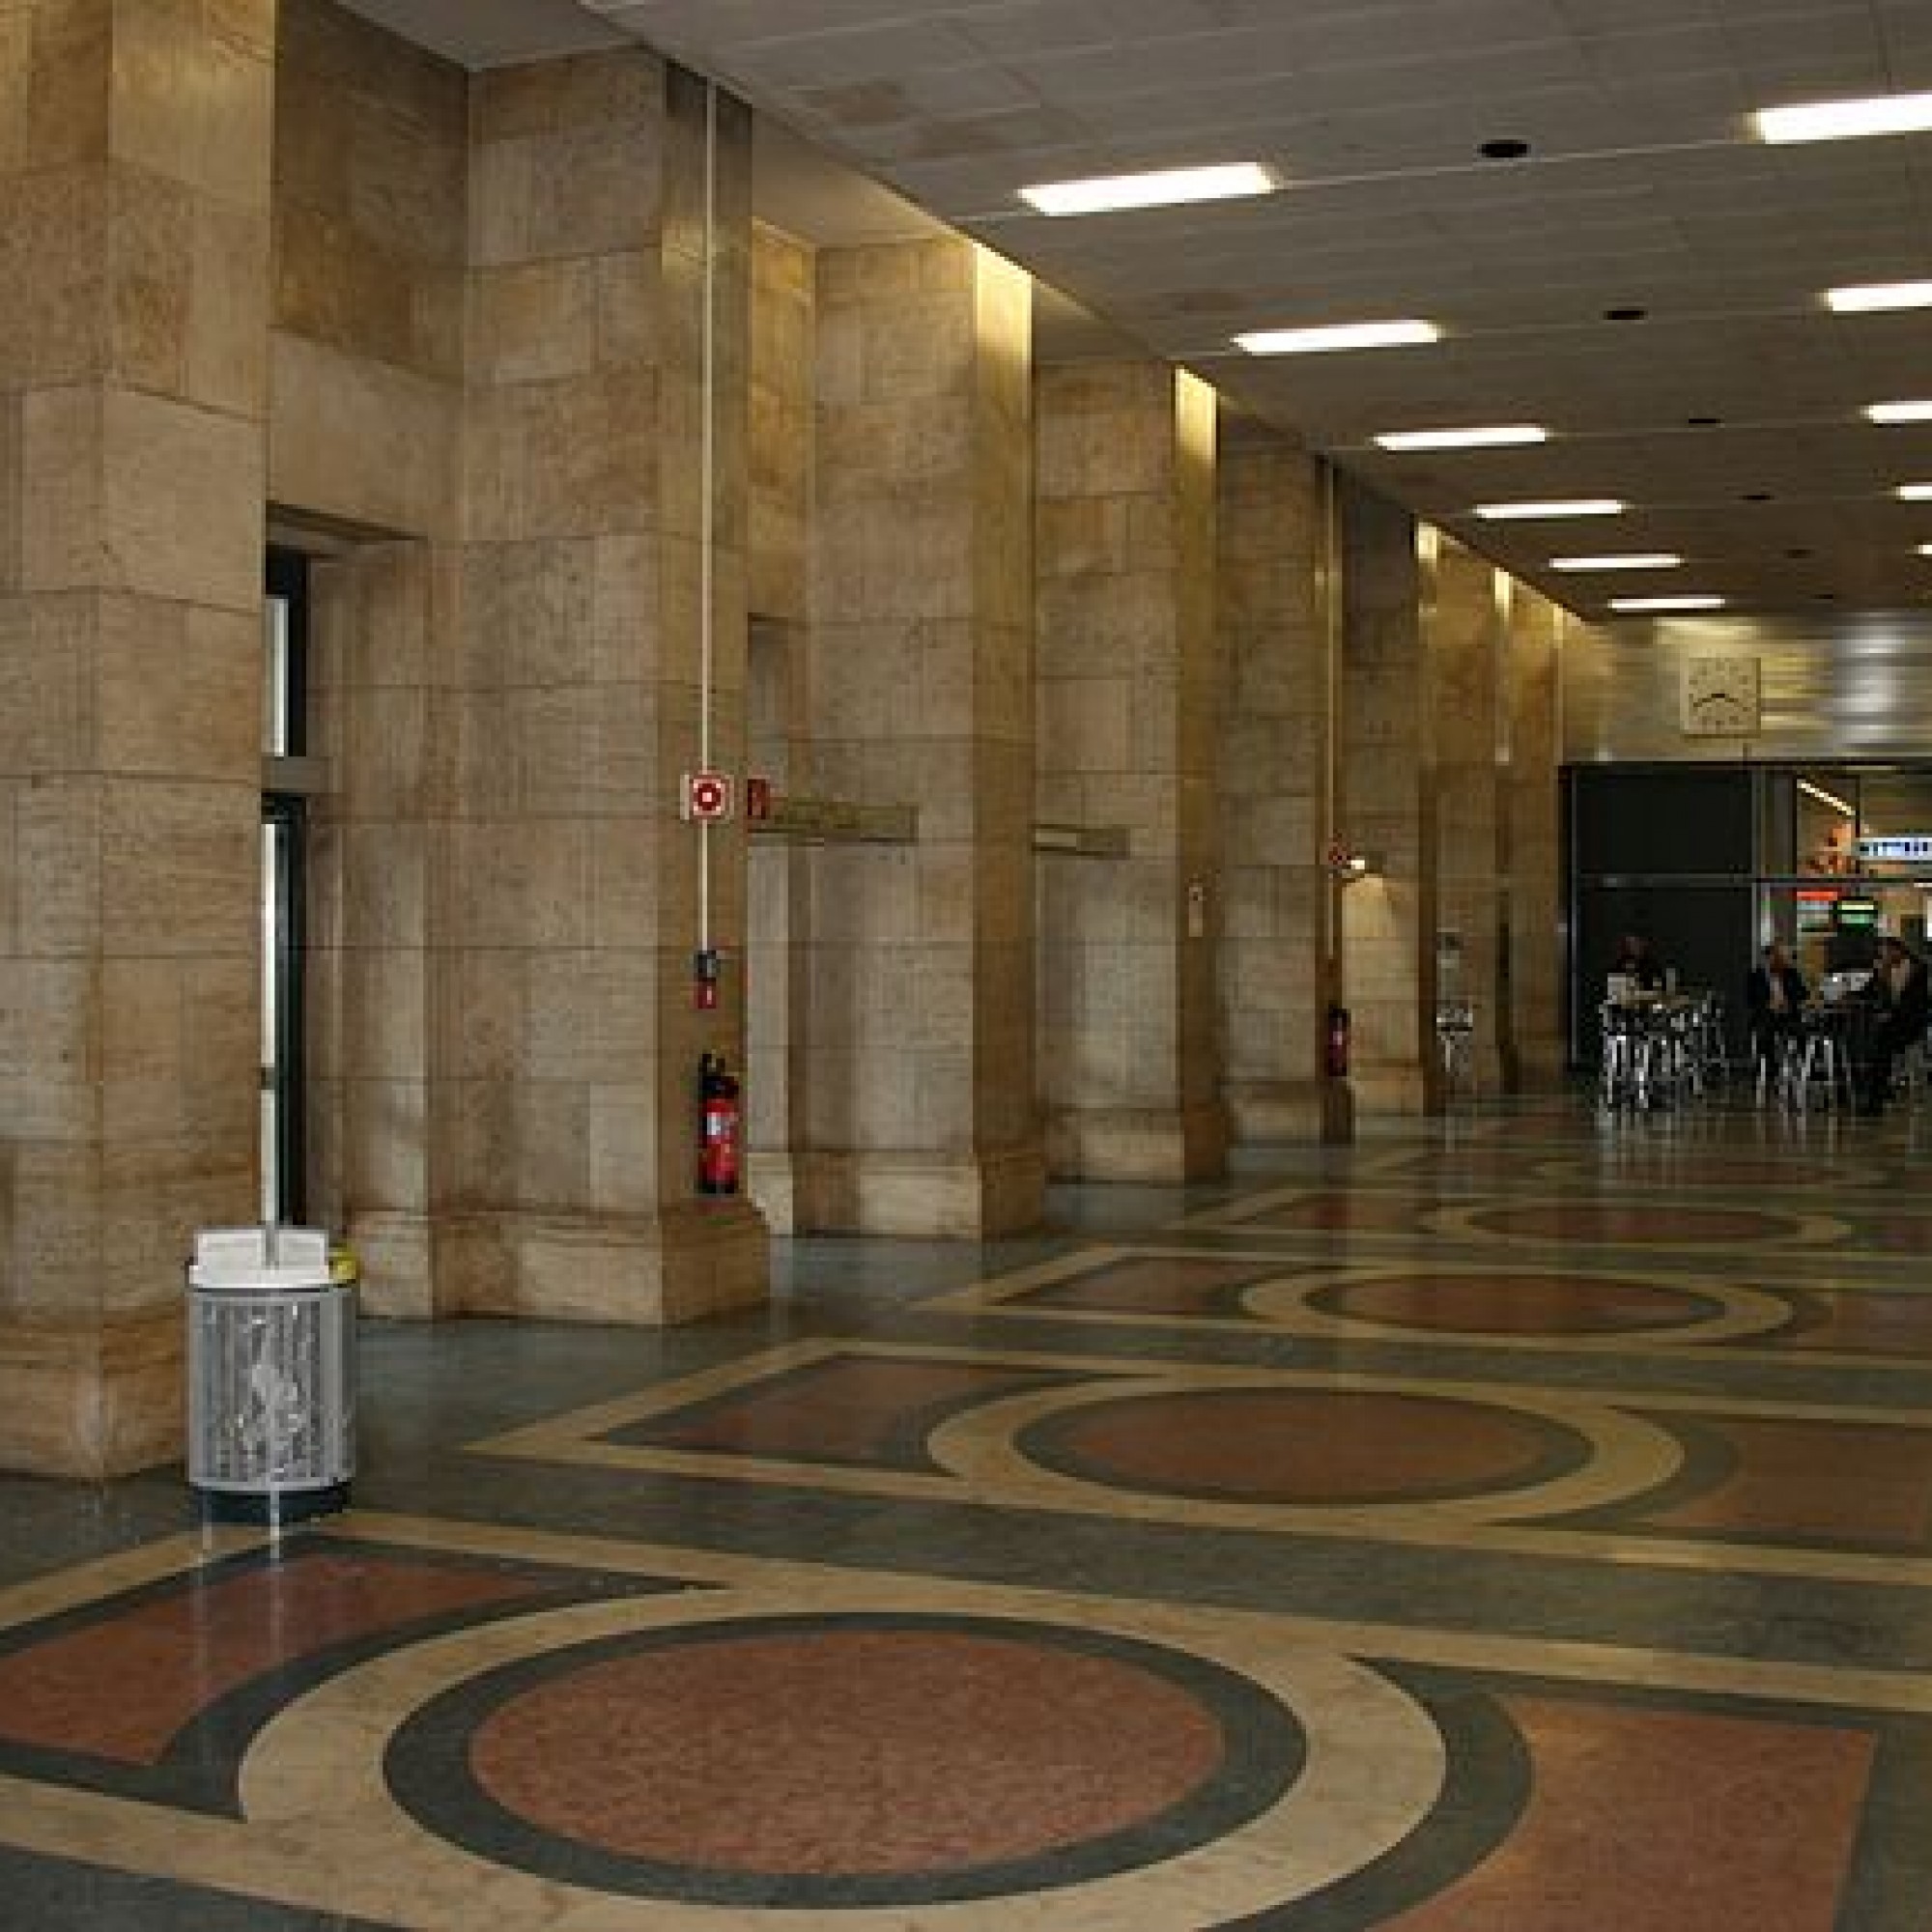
point(1521, 1524)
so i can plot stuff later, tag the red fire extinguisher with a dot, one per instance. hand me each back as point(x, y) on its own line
point(718, 1135)
point(1338, 1042)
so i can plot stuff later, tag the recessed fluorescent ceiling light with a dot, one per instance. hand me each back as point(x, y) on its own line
point(1900, 413)
point(1863, 300)
point(1634, 605)
point(1630, 559)
point(1925, 549)
point(1502, 436)
point(1165, 188)
point(1915, 493)
point(1576, 506)
point(1337, 335)
point(1845, 120)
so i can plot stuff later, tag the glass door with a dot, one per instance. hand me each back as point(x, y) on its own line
point(283, 821)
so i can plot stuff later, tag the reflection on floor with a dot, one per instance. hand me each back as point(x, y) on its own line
point(1519, 1526)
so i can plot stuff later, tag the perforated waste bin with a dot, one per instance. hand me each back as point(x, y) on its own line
point(270, 1373)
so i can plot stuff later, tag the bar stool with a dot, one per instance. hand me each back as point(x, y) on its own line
point(1825, 1056)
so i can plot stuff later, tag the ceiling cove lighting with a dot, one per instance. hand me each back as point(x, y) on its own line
point(1657, 606)
point(1900, 413)
point(1574, 507)
point(1630, 559)
point(1871, 298)
point(1845, 120)
point(1165, 188)
point(1915, 493)
point(1337, 337)
point(1500, 436)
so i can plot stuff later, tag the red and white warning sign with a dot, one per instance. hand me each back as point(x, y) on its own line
point(707, 796)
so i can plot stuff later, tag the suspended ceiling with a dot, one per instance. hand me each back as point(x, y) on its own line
point(1642, 188)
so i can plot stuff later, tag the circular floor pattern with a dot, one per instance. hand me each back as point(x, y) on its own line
point(1317, 1447)
point(1635, 1224)
point(1517, 1304)
point(844, 1760)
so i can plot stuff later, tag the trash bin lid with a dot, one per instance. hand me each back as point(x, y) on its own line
point(241, 1259)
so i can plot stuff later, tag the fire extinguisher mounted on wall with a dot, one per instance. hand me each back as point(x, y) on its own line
point(719, 1126)
point(1337, 1057)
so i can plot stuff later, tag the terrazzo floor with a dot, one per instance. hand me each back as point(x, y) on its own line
point(1517, 1523)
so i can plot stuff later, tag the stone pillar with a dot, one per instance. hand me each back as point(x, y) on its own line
point(1130, 1064)
point(1386, 795)
point(919, 1114)
point(1273, 687)
point(384, 725)
point(564, 890)
point(1464, 653)
point(1535, 1052)
point(134, 177)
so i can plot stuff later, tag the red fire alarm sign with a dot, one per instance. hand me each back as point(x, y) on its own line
point(707, 796)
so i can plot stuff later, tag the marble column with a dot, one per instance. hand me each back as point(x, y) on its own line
point(565, 893)
point(1130, 1064)
point(1273, 686)
point(134, 178)
point(1386, 805)
point(1464, 653)
point(1535, 1052)
point(918, 1114)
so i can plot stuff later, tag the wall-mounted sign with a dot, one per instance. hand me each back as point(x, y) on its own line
point(1904, 848)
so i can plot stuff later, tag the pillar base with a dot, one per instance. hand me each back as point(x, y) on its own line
point(910, 1193)
point(694, 1258)
point(393, 1252)
point(1391, 1092)
point(1138, 1144)
point(95, 1401)
point(1264, 1112)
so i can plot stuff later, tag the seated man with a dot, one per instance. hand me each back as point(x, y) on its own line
point(1774, 996)
point(1898, 990)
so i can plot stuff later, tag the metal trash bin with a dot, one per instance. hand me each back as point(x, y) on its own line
point(270, 1373)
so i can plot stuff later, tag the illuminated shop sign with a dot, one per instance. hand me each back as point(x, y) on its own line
point(1905, 848)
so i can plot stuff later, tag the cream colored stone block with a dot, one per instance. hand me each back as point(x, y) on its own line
point(535, 322)
point(180, 869)
point(193, 106)
point(176, 689)
point(363, 442)
point(565, 458)
point(68, 89)
point(57, 859)
point(386, 1151)
point(64, 540)
point(47, 646)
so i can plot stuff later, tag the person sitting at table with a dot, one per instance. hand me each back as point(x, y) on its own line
point(1638, 965)
point(1899, 993)
point(1774, 996)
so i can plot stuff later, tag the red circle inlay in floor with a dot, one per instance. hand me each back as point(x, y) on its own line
point(1314, 1446)
point(1516, 1304)
point(846, 1752)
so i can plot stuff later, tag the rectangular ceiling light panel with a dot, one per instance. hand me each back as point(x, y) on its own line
point(1165, 188)
point(1499, 436)
point(1846, 119)
point(1335, 336)
point(1572, 506)
point(1871, 298)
